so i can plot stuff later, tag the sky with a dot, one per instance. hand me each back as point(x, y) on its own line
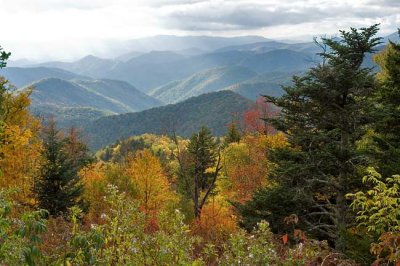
point(68, 29)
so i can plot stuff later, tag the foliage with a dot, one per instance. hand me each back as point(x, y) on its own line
point(20, 147)
point(246, 165)
point(378, 211)
point(152, 186)
point(117, 242)
point(217, 222)
point(20, 238)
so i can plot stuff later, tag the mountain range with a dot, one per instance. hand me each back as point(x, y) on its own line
point(150, 72)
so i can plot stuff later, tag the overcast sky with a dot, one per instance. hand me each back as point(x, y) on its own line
point(71, 28)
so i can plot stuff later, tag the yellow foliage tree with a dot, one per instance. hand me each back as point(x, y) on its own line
point(152, 186)
point(21, 147)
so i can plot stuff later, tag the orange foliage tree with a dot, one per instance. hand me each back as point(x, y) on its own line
point(253, 118)
point(246, 164)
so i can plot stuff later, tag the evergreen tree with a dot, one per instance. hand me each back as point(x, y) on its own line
point(58, 187)
point(3, 57)
point(195, 178)
point(386, 150)
point(324, 115)
point(233, 134)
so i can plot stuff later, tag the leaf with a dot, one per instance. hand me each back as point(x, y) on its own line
point(285, 239)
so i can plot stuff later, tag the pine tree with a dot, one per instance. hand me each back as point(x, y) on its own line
point(196, 181)
point(233, 134)
point(58, 187)
point(324, 115)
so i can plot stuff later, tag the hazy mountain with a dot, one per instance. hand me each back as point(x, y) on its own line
point(148, 71)
point(280, 60)
point(21, 77)
point(128, 56)
point(394, 37)
point(158, 68)
point(206, 81)
point(89, 65)
point(74, 101)
point(153, 69)
point(176, 43)
point(262, 47)
point(215, 110)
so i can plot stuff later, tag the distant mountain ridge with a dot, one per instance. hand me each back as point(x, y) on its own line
point(54, 97)
point(23, 76)
point(214, 110)
point(158, 68)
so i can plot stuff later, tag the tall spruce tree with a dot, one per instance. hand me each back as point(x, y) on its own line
point(386, 102)
point(196, 181)
point(58, 187)
point(324, 115)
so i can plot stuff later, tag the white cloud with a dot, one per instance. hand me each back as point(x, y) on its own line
point(72, 28)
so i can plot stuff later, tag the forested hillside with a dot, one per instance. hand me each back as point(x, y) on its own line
point(215, 110)
point(307, 174)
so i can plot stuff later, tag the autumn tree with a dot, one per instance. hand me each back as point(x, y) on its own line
point(20, 145)
point(58, 186)
point(151, 184)
point(246, 165)
point(324, 114)
point(254, 118)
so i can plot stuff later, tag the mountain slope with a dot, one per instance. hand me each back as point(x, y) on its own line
point(265, 84)
point(76, 101)
point(21, 77)
point(121, 91)
point(202, 82)
point(62, 93)
point(214, 110)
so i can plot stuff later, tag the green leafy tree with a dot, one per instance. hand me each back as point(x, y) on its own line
point(59, 187)
point(324, 115)
point(379, 213)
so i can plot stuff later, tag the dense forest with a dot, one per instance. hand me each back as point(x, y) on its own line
point(310, 176)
